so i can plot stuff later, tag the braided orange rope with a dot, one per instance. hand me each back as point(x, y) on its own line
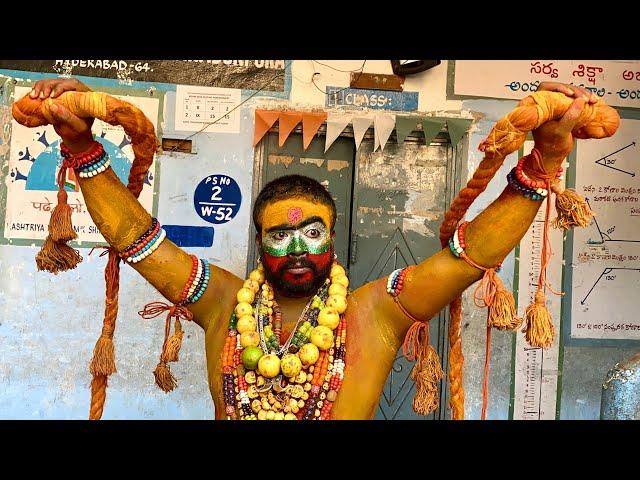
point(55, 255)
point(597, 120)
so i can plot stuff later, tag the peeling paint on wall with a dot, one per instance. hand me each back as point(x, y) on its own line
point(336, 165)
point(281, 160)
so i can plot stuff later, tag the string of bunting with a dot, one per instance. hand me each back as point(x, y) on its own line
point(383, 125)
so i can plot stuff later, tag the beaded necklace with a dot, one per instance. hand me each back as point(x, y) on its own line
point(264, 379)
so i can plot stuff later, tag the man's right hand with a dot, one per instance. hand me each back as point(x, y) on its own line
point(75, 131)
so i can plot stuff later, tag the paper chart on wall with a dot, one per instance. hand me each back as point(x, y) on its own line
point(207, 109)
point(605, 286)
point(34, 161)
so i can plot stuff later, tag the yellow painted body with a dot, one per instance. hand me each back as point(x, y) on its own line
point(376, 325)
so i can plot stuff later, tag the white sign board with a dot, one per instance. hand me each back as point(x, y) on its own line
point(617, 82)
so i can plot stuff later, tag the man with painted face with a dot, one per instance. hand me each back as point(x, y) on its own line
point(275, 343)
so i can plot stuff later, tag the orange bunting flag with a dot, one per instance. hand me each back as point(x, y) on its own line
point(264, 121)
point(310, 125)
point(288, 121)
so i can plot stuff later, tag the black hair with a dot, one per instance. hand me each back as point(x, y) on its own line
point(291, 186)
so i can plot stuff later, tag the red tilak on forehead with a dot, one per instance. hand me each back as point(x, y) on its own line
point(294, 215)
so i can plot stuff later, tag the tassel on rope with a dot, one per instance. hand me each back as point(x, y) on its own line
point(56, 256)
point(573, 210)
point(539, 330)
point(171, 345)
point(501, 314)
point(491, 293)
point(427, 371)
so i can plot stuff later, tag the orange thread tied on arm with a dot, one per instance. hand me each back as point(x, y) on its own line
point(171, 345)
point(596, 120)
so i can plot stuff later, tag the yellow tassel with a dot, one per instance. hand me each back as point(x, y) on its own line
point(174, 343)
point(103, 361)
point(164, 378)
point(427, 373)
point(539, 330)
point(573, 210)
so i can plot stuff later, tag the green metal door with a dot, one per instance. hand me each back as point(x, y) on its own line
point(387, 218)
point(333, 169)
point(400, 196)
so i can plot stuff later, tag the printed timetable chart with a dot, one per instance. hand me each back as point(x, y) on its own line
point(197, 107)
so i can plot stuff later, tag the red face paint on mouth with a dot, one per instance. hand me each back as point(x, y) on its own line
point(293, 275)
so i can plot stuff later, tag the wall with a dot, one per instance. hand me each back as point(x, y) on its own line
point(46, 340)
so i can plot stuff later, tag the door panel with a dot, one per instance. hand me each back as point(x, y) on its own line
point(399, 201)
point(333, 169)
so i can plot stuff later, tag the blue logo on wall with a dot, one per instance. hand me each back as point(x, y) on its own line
point(217, 199)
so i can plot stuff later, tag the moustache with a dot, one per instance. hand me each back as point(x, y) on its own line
point(298, 263)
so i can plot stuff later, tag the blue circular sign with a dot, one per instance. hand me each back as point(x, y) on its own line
point(217, 199)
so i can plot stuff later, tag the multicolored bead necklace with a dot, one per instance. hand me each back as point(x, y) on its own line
point(264, 379)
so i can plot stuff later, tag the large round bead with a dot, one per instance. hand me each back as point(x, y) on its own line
point(269, 366)
point(337, 289)
point(245, 295)
point(249, 339)
point(251, 284)
point(340, 279)
point(257, 275)
point(322, 337)
point(246, 323)
point(337, 270)
point(308, 354)
point(290, 365)
point(329, 317)
point(251, 356)
point(339, 303)
point(243, 309)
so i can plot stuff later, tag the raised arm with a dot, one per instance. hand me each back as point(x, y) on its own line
point(435, 282)
point(121, 219)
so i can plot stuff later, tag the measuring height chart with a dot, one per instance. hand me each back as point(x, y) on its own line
point(536, 369)
point(606, 255)
point(217, 199)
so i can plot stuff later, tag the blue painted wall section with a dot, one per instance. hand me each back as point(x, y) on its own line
point(372, 99)
point(187, 236)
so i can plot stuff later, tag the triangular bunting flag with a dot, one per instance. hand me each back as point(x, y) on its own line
point(264, 121)
point(310, 124)
point(431, 126)
point(336, 123)
point(360, 127)
point(457, 128)
point(287, 121)
point(383, 126)
point(406, 125)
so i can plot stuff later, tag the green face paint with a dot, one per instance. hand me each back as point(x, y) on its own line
point(312, 238)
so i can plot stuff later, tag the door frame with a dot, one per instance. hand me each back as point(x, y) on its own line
point(456, 178)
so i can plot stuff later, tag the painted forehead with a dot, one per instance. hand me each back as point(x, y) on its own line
point(292, 212)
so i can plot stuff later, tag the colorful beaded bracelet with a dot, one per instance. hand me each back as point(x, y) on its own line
point(197, 282)
point(149, 248)
point(94, 168)
point(538, 194)
point(146, 244)
point(77, 160)
point(457, 245)
point(395, 281)
point(143, 240)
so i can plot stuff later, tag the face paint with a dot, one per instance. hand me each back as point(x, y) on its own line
point(312, 238)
